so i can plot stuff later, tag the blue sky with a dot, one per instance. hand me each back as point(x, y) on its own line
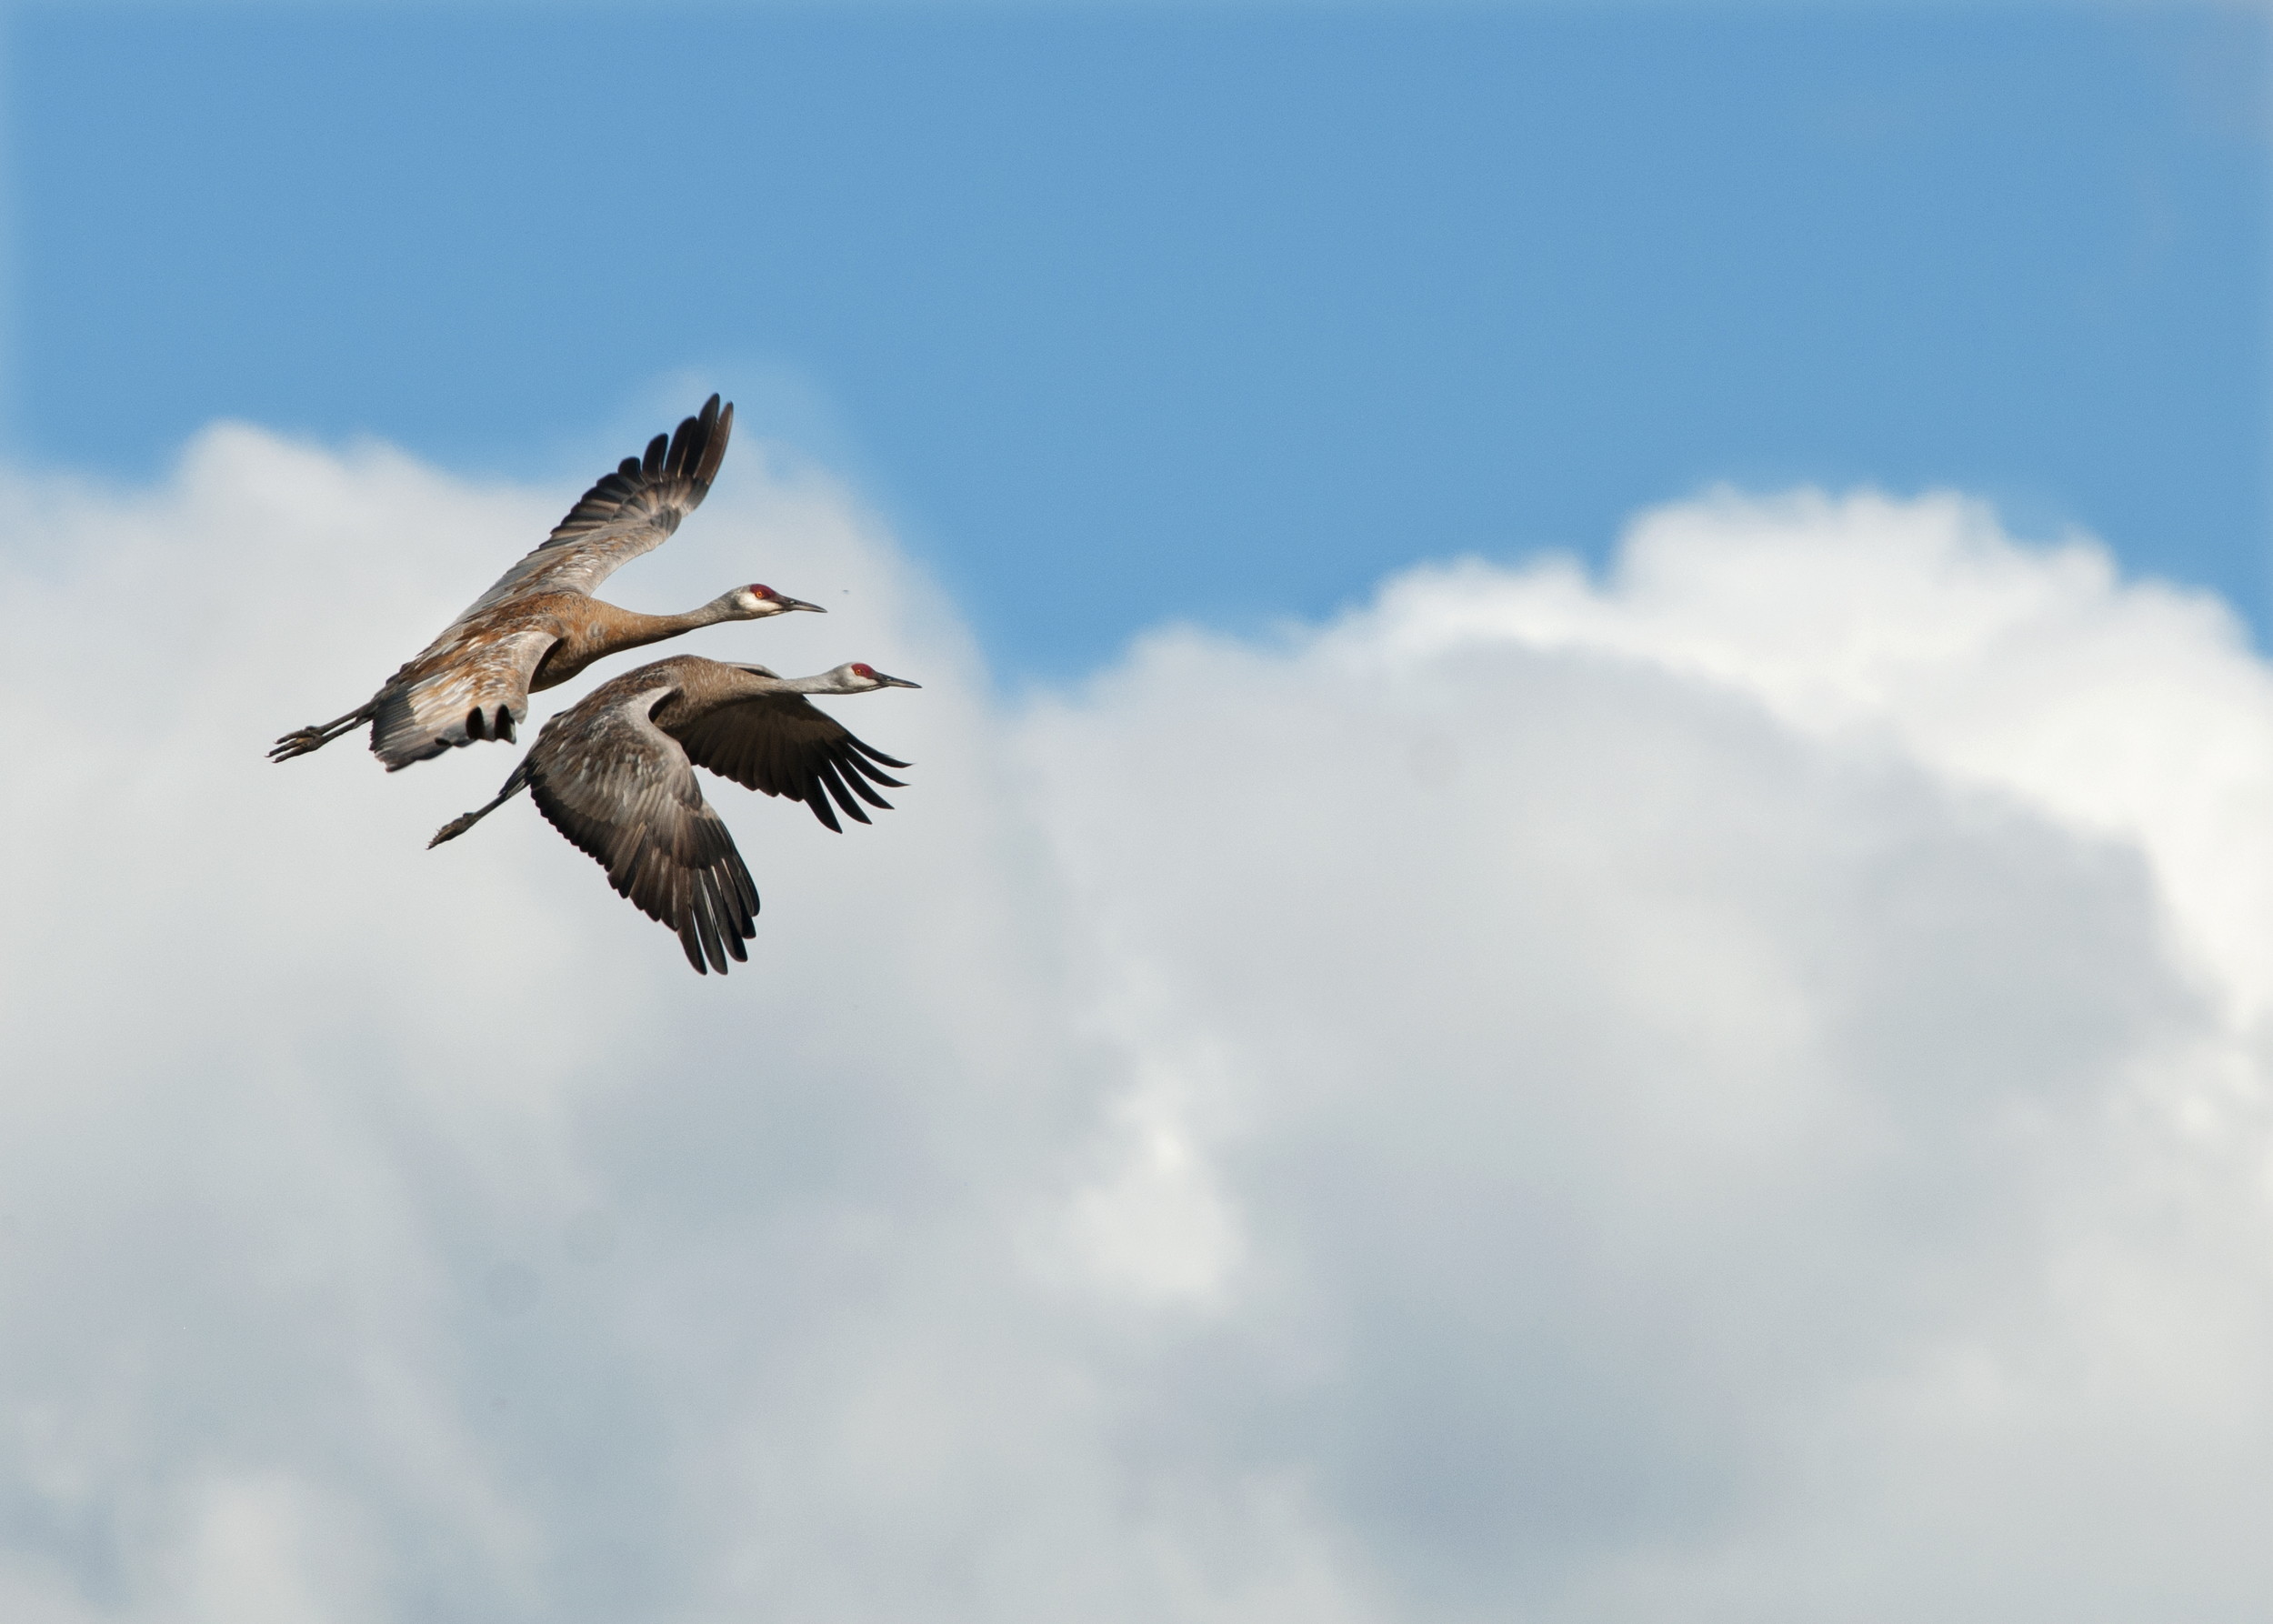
point(1222, 313)
point(1729, 1090)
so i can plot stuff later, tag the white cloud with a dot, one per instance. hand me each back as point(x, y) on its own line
point(1731, 1092)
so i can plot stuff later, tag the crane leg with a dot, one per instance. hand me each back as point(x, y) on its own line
point(458, 825)
point(316, 736)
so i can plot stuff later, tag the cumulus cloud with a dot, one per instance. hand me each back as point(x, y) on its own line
point(1732, 1090)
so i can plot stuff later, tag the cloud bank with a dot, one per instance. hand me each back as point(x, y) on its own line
point(1730, 1091)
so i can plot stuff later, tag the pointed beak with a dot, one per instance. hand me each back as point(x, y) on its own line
point(788, 603)
point(897, 682)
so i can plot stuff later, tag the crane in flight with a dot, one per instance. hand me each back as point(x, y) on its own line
point(614, 773)
point(540, 626)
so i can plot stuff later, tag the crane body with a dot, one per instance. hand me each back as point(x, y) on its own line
point(615, 774)
point(539, 625)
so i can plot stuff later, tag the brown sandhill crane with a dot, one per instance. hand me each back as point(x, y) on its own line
point(616, 774)
point(540, 626)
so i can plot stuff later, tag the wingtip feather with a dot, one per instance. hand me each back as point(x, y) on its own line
point(713, 451)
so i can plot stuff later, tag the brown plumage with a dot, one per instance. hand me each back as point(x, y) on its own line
point(540, 626)
point(616, 774)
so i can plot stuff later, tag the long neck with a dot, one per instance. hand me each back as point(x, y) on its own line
point(707, 686)
point(619, 629)
point(739, 682)
point(594, 630)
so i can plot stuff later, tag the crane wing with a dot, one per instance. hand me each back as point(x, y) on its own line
point(781, 744)
point(629, 512)
point(623, 792)
point(473, 684)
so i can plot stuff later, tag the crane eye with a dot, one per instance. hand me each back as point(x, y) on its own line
point(861, 670)
point(761, 591)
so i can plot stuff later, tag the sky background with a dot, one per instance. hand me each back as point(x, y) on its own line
point(1221, 313)
point(1580, 930)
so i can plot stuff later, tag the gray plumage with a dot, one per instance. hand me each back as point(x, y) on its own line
point(616, 774)
point(539, 625)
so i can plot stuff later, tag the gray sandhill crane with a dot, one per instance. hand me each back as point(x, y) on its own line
point(540, 626)
point(616, 774)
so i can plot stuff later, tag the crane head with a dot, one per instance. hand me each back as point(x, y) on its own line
point(862, 677)
point(755, 601)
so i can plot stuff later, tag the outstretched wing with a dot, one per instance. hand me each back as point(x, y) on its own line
point(629, 512)
point(623, 792)
point(473, 684)
point(781, 744)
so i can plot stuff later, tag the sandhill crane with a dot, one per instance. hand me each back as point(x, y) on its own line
point(540, 626)
point(616, 774)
